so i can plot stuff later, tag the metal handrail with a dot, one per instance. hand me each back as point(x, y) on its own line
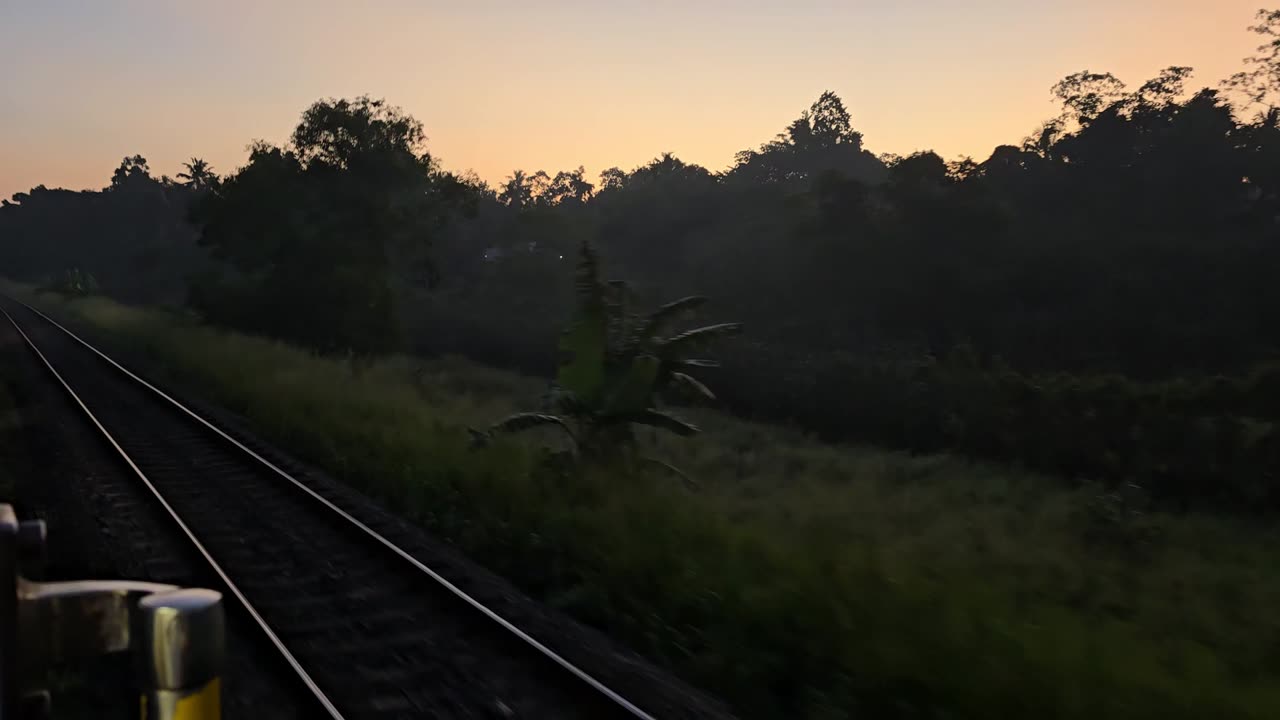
point(528, 640)
point(176, 635)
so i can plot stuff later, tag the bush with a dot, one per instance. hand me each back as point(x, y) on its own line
point(74, 282)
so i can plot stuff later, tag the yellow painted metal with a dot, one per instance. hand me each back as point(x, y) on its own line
point(202, 704)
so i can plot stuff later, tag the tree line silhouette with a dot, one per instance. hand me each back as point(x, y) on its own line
point(1097, 300)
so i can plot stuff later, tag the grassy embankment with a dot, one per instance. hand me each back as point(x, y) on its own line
point(802, 579)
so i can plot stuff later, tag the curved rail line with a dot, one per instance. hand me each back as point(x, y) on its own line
point(624, 707)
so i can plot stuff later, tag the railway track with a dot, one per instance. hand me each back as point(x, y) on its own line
point(369, 630)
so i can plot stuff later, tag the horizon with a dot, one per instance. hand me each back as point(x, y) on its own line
point(703, 82)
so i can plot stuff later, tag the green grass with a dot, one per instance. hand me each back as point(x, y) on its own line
point(803, 579)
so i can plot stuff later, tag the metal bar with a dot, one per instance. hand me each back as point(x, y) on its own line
point(9, 694)
point(63, 621)
point(177, 635)
point(181, 650)
point(321, 698)
point(582, 675)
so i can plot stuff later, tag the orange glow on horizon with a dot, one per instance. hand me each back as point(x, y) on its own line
point(501, 86)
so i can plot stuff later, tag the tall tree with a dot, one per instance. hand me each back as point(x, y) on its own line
point(317, 230)
point(821, 140)
point(570, 186)
point(516, 191)
point(1259, 83)
point(198, 174)
point(1085, 94)
point(133, 173)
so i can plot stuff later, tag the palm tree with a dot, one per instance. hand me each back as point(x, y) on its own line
point(199, 174)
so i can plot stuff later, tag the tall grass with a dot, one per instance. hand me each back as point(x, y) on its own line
point(802, 579)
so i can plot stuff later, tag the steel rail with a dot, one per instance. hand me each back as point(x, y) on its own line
point(546, 652)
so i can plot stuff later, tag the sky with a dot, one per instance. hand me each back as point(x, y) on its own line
point(560, 83)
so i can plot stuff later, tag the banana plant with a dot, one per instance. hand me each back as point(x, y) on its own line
point(615, 365)
point(73, 282)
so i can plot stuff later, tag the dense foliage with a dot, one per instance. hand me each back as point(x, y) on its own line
point(74, 282)
point(1096, 300)
point(133, 236)
point(310, 234)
